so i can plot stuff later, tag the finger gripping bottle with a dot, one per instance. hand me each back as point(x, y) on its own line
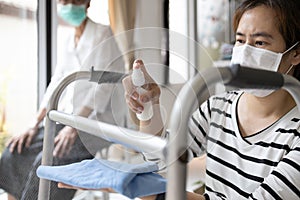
point(138, 80)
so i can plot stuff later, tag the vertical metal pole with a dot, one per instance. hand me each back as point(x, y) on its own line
point(47, 34)
point(192, 37)
point(42, 38)
point(166, 25)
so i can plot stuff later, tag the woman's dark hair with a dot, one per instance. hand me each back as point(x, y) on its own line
point(288, 17)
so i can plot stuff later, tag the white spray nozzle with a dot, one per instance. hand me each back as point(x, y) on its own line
point(138, 78)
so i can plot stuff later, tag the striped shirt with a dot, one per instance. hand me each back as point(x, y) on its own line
point(265, 165)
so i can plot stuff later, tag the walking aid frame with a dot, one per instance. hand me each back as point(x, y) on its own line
point(173, 150)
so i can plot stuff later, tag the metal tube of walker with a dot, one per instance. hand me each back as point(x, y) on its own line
point(141, 142)
point(177, 145)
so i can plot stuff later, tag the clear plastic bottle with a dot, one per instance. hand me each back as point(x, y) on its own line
point(138, 80)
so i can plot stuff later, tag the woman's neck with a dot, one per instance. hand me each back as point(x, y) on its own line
point(79, 31)
point(278, 103)
point(255, 114)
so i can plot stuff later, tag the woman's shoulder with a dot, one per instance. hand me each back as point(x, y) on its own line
point(226, 97)
point(221, 102)
point(100, 28)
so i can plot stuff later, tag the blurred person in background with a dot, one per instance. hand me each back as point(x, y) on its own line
point(79, 51)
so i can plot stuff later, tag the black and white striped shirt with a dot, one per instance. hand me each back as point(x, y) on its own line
point(265, 165)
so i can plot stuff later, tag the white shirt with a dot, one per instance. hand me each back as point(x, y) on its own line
point(97, 48)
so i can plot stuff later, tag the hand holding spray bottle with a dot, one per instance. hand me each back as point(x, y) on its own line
point(138, 80)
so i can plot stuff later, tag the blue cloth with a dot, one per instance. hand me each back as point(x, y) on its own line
point(131, 180)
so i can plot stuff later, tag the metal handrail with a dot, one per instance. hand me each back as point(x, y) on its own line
point(138, 141)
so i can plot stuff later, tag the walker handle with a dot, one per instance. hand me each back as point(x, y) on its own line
point(106, 76)
point(246, 77)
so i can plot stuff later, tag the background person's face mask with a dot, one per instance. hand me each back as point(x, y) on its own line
point(249, 56)
point(72, 14)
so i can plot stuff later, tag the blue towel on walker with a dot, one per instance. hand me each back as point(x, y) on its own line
point(131, 180)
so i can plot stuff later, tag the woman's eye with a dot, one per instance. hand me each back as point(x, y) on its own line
point(260, 43)
point(239, 41)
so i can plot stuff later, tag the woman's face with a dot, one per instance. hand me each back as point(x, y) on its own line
point(258, 28)
point(75, 2)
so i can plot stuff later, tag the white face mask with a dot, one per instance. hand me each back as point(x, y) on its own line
point(257, 58)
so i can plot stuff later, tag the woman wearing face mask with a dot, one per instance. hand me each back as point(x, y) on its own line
point(252, 140)
point(79, 51)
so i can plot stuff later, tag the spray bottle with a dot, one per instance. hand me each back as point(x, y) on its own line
point(138, 80)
